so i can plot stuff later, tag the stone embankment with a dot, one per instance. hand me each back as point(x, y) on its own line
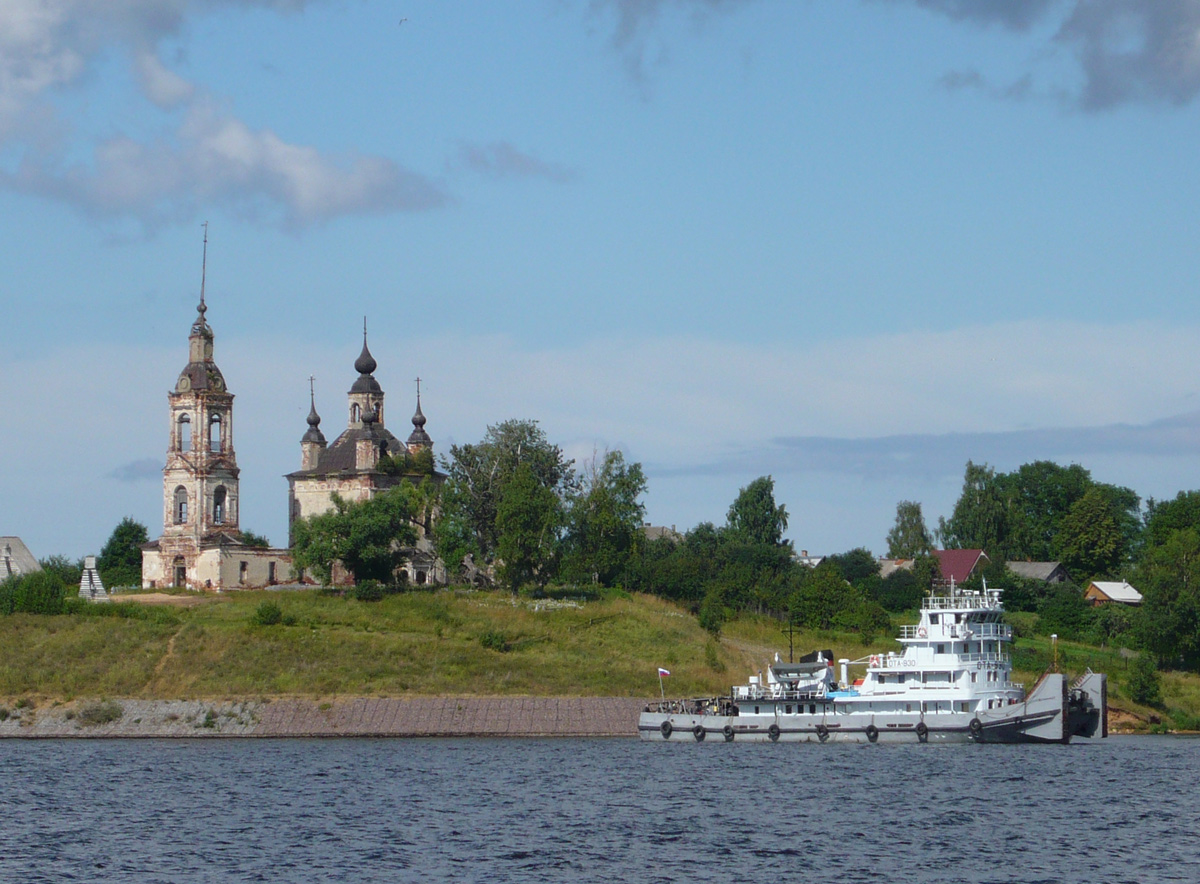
point(352, 717)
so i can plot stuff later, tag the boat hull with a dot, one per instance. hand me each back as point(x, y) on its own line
point(1041, 718)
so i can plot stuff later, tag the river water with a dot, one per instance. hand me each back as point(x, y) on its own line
point(1124, 809)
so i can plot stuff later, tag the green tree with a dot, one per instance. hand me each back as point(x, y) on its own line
point(1145, 686)
point(477, 476)
point(529, 521)
point(604, 520)
point(67, 571)
point(981, 518)
point(369, 537)
point(39, 592)
point(255, 541)
point(856, 565)
point(1089, 541)
point(120, 560)
point(1040, 495)
point(909, 537)
point(1165, 517)
point(1169, 580)
point(754, 517)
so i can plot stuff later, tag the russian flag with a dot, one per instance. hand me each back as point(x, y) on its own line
point(662, 672)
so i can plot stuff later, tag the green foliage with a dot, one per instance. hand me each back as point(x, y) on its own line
point(255, 541)
point(1063, 612)
point(101, 712)
point(1165, 517)
point(405, 463)
point(478, 477)
point(69, 572)
point(495, 640)
point(604, 519)
point(753, 516)
point(1169, 580)
point(1144, 684)
point(267, 614)
point(120, 560)
point(40, 592)
point(909, 537)
point(369, 591)
point(901, 590)
point(368, 538)
point(1090, 542)
point(855, 565)
point(1027, 514)
point(529, 521)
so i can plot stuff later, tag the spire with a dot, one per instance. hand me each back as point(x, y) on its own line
point(314, 433)
point(419, 438)
point(200, 327)
point(365, 363)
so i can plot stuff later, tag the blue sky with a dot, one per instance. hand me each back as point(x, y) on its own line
point(851, 244)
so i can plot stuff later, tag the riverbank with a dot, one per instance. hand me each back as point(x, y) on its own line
point(350, 717)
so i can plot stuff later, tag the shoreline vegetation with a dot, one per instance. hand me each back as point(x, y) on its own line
point(218, 655)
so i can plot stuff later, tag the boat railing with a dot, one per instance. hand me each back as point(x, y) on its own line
point(963, 631)
point(964, 601)
point(755, 692)
point(984, 658)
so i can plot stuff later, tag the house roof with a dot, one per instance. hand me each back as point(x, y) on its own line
point(1034, 570)
point(660, 532)
point(1117, 591)
point(958, 564)
point(888, 567)
point(15, 558)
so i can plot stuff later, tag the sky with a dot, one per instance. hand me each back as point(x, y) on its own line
point(847, 244)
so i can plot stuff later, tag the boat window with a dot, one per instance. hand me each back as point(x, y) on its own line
point(973, 678)
point(941, 649)
point(901, 678)
point(812, 708)
point(933, 619)
point(788, 709)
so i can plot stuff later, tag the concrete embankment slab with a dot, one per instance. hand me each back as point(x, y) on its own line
point(346, 717)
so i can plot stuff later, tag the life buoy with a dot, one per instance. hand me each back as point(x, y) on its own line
point(822, 733)
point(665, 727)
point(773, 732)
point(976, 727)
point(922, 731)
point(874, 659)
point(922, 632)
point(698, 733)
point(872, 733)
point(728, 732)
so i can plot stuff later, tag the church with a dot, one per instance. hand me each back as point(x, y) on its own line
point(201, 546)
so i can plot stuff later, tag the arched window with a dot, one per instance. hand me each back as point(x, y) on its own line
point(181, 507)
point(214, 433)
point(185, 433)
point(180, 569)
point(355, 413)
point(219, 505)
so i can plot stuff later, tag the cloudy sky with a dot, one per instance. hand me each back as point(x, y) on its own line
point(850, 244)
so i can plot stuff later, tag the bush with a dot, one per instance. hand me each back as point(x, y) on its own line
point(41, 592)
point(368, 591)
point(100, 713)
point(495, 640)
point(1144, 684)
point(267, 614)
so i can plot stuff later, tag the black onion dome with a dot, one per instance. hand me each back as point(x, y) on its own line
point(365, 363)
point(313, 433)
point(419, 436)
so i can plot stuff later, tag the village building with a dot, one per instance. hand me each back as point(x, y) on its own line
point(15, 558)
point(366, 460)
point(1103, 592)
point(1046, 572)
point(200, 547)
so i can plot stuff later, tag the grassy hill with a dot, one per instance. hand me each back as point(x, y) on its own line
point(457, 642)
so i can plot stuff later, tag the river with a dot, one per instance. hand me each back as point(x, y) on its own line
point(1122, 809)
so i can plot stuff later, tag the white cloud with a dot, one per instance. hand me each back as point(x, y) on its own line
point(212, 158)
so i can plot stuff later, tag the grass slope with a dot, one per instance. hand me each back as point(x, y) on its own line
point(461, 642)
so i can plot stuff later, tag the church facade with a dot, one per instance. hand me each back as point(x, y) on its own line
point(364, 460)
point(201, 546)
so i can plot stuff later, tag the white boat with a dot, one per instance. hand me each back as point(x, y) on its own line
point(951, 682)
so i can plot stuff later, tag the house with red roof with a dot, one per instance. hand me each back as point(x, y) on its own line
point(959, 564)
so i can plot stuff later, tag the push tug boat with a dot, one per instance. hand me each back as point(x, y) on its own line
point(950, 684)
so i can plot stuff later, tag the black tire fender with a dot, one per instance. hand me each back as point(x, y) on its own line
point(922, 731)
point(666, 728)
point(822, 733)
point(976, 727)
point(773, 732)
point(872, 733)
point(698, 733)
point(728, 732)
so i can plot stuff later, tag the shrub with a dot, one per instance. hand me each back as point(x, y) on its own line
point(100, 713)
point(267, 614)
point(1144, 685)
point(4, 713)
point(494, 640)
point(368, 591)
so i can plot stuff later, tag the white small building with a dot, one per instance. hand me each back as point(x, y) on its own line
point(1101, 592)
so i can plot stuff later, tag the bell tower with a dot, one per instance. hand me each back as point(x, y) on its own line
point(200, 480)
